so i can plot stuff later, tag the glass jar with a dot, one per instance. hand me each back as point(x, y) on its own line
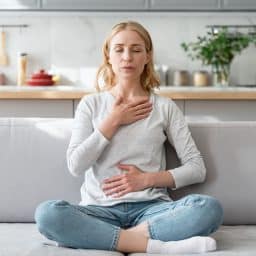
point(220, 75)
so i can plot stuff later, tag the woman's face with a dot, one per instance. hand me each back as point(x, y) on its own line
point(128, 55)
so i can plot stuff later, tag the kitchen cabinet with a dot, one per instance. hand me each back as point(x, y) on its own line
point(19, 5)
point(131, 5)
point(179, 103)
point(220, 110)
point(201, 110)
point(36, 108)
point(224, 104)
point(238, 5)
point(184, 5)
point(110, 5)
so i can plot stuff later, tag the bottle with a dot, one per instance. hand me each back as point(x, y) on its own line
point(162, 70)
point(2, 79)
point(22, 69)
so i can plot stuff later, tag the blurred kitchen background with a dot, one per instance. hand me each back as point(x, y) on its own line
point(67, 42)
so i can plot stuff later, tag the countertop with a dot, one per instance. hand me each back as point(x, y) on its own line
point(176, 93)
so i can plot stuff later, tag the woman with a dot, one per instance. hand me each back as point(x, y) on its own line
point(117, 142)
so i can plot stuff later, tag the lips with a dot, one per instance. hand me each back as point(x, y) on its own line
point(128, 67)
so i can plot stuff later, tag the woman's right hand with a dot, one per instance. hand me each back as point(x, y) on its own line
point(130, 112)
point(124, 113)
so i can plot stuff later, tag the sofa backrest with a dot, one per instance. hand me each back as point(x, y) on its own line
point(33, 166)
point(229, 152)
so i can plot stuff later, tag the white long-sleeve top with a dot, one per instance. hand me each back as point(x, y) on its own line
point(140, 143)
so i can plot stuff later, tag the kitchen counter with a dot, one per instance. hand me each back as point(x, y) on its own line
point(176, 93)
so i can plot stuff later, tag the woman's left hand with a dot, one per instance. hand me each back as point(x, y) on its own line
point(133, 180)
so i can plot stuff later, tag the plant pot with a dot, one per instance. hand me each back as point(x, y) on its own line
point(220, 75)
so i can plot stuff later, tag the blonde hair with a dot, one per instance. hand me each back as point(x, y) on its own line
point(149, 79)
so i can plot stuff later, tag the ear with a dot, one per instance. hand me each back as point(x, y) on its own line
point(148, 58)
point(109, 60)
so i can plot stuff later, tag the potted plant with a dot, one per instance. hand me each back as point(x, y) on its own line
point(218, 50)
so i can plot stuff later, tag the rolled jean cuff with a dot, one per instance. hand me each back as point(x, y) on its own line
point(115, 239)
point(151, 231)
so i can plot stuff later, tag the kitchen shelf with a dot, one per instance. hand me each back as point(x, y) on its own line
point(176, 93)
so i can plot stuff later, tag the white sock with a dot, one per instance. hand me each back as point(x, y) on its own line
point(196, 244)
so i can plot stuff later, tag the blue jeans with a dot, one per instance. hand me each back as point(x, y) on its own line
point(98, 227)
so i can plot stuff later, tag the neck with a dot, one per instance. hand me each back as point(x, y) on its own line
point(129, 90)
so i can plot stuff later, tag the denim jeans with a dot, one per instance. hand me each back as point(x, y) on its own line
point(98, 227)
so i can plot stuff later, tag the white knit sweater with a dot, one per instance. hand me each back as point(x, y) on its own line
point(140, 143)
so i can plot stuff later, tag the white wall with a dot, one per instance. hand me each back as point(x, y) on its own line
point(71, 41)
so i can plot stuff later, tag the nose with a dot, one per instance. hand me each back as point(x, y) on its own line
point(127, 56)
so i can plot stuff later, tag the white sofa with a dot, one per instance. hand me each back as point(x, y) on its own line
point(33, 169)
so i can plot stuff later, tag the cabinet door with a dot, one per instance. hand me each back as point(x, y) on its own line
point(179, 103)
point(184, 5)
point(239, 5)
point(94, 4)
point(220, 110)
point(21, 4)
point(36, 108)
point(76, 102)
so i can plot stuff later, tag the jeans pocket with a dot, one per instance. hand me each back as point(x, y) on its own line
point(97, 212)
point(156, 209)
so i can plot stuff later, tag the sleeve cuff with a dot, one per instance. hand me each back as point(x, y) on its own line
point(180, 177)
point(103, 141)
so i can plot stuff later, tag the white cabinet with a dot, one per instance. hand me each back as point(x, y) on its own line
point(179, 103)
point(36, 108)
point(223, 110)
point(94, 5)
point(19, 5)
point(184, 5)
point(202, 110)
point(239, 5)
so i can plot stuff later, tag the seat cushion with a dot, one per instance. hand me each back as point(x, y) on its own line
point(25, 240)
point(231, 241)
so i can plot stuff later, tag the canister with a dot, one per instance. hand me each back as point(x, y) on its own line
point(180, 77)
point(201, 78)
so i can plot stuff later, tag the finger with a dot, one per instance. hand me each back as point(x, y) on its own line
point(143, 111)
point(113, 179)
point(139, 117)
point(118, 189)
point(111, 185)
point(142, 106)
point(121, 193)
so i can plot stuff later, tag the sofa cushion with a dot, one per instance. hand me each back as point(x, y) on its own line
point(231, 241)
point(34, 169)
point(33, 166)
point(25, 240)
point(228, 149)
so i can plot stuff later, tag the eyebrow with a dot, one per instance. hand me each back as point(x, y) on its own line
point(131, 45)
